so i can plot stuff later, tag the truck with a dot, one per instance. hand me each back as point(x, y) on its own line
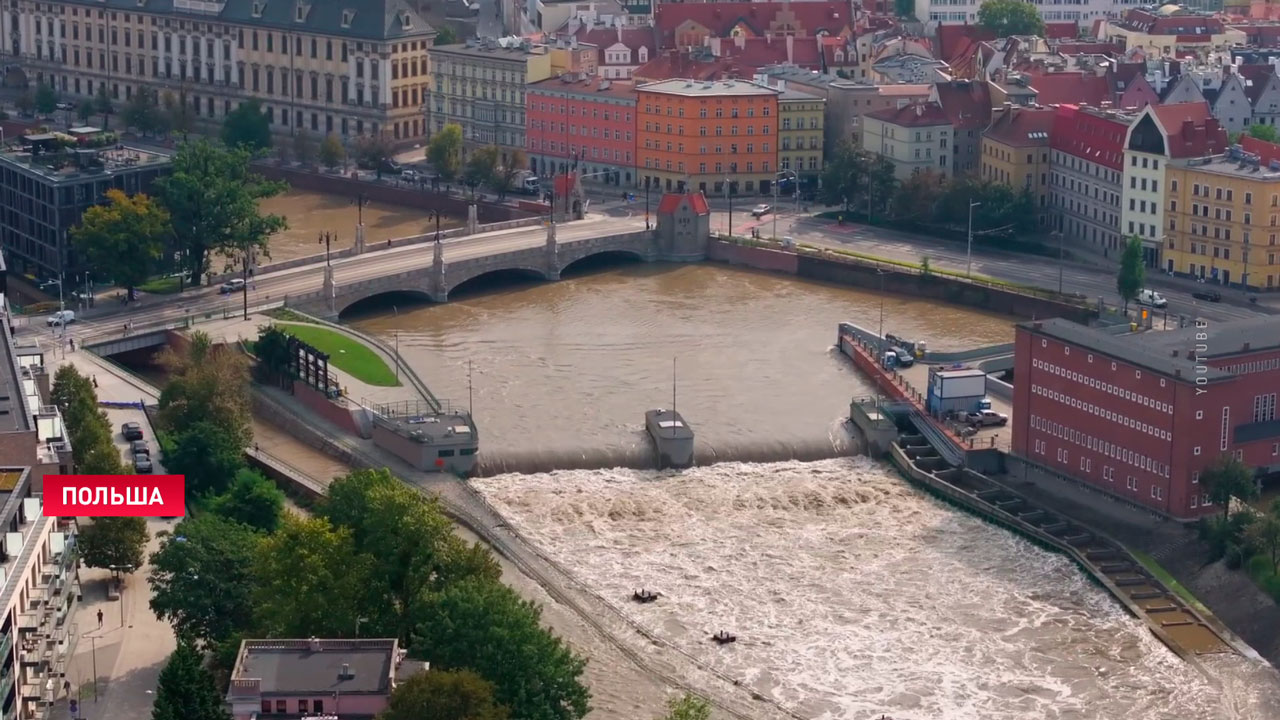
point(526, 183)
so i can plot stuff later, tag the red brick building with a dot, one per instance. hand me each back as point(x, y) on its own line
point(1139, 416)
point(588, 119)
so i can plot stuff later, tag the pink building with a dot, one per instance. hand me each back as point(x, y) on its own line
point(348, 679)
point(587, 119)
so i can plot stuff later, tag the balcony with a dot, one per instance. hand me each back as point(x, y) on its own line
point(6, 682)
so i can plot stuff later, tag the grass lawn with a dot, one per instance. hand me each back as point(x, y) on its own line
point(346, 353)
point(160, 285)
point(1163, 576)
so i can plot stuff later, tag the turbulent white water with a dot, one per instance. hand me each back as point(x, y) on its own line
point(853, 594)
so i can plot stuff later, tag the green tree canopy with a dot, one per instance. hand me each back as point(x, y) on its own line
point(25, 102)
point(46, 98)
point(310, 581)
point(1001, 209)
point(445, 35)
point(212, 198)
point(123, 239)
point(688, 707)
point(92, 446)
point(103, 106)
point(482, 167)
point(114, 541)
point(1264, 534)
point(186, 690)
point(373, 152)
point(1010, 17)
point(444, 695)
point(247, 127)
point(444, 152)
point(505, 177)
point(207, 383)
point(331, 153)
point(483, 625)
point(1132, 274)
point(179, 116)
point(142, 112)
point(202, 578)
point(84, 110)
point(304, 148)
point(208, 454)
point(252, 500)
point(1227, 478)
point(918, 196)
point(843, 175)
point(1266, 133)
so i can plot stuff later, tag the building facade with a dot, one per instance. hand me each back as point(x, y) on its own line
point(801, 118)
point(1172, 32)
point(914, 137)
point(958, 12)
point(361, 69)
point(43, 196)
point(1087, 161)
point(588, 120)
point(313, 678)
point(1140, 416)
point(1015, 152)
point(1161, 137)
point(715, 137)
point(1220, 221)
point(480, 86)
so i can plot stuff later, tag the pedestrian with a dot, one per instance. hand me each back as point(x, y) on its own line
point(73, 344)
point(95, 382)
point(99, 617)
point(126, 328)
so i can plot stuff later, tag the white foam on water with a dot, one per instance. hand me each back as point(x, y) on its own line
point(854, 594)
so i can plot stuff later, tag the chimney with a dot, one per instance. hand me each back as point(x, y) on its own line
point(314, 644)
point(1175, 352)
point(345, 674)
point(740, 41)
point(919, 110)
point(791, 48)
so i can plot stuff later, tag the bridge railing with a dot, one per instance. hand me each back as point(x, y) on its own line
point(188, 321)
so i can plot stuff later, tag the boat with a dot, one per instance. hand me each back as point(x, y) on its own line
point(672, 436)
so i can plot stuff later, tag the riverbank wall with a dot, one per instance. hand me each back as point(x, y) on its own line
point(866, 274)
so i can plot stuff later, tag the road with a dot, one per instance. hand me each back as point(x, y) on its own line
point(1091, 281)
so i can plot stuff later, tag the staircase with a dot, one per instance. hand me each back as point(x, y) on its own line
point(937, 439)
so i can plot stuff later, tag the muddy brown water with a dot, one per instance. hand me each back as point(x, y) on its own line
point(311, 213)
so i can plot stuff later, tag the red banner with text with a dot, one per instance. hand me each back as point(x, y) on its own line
point(114, 495)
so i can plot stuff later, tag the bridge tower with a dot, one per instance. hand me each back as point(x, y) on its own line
point(553, 253)
point(438, 290)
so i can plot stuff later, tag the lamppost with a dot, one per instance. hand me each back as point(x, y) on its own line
point(93, 640)
point(647, 182)
point(120, 586)
point(968, 265)
point(435, 215)
point(326, 238)
point(360, 620)
point(1061, 255)
point(729, 196)
point(880, 349)
point(787, 173)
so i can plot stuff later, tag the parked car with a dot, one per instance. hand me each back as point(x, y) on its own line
point(1152, 298)
point(1210, 295)
point(986, 418)
point(761, 210)
point(139, 447)
point(142, 464)
point(234, 285)
point(62, 317)
point(131, 431)
point(905, 359)
point(65, 106)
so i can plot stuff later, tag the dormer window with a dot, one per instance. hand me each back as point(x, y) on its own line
point(347, 16)
point(405, 22)
point(257, 9)
point(300, 12)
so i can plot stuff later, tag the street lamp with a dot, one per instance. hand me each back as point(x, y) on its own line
point(647, 181)
point(786, 173)
point(968, 266)
point(326, 238)
point(358, 621)
point(120, 587)
point(1061, 256)
point(93, 640)
point(435, 215)
point(881, 272)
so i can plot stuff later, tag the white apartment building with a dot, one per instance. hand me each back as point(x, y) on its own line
point(356, 68)
point(914, 136)
point(956, 12)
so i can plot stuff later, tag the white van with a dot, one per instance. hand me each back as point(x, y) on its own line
point(62, 317)
point(1152, 298)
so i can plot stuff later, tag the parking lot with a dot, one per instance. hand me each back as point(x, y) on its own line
point(997, 436)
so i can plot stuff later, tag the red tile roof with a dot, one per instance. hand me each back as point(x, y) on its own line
point(1265, 151)
point(605, 37)
point(1079, 87)
point(670, 202)
point(758, 18)
point(926, 114)
point(1191, 130)
point(954, 41)
point(1090, 135)
point(1189, 25)
point(966, 103)
point(673, 64)
point(759, 52)
point(1055, 30)
point(1022, 127)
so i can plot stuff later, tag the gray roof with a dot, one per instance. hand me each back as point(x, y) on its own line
point(1221, 339)
point(372, 19)
point(291, 667)
point(16, 417)
point(1137, 349)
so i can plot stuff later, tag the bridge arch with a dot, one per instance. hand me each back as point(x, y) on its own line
point(498, 277)
point(381, 299)
point(601, 259)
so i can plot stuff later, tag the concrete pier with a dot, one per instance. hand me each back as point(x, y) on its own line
point(672, 437)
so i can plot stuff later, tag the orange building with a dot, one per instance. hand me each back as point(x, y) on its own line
point(703, 134)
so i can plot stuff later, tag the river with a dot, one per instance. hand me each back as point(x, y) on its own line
point(562, 373)
point(312, 213)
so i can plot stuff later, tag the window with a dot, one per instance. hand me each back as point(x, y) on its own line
point(303, 705)
point(1195, 450)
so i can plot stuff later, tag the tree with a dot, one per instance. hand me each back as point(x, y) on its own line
point(142, 112)
point(1227, 478)
point(505, 177)
point(917, 196)
point(1266, 133)
point(310, 581)
point(247, 127)
point(124, 238)
point(46, 98)
point(304, 150)
point(1010, 17)
point(444, 695)
point(843, 175)
point(186, 690)
point(373, 152)
point(905, 8)
point(251, 500)
point(207, 384)
point(179, 116)
point(483, 625)
point(84, 110)
point(212, 197)
point(117, 541)
point(482, 168)
point(882, 184)
point(689, 707)
point(103, 106)
point(92, 449)
point(444, 152)
point(1264, 533)
point(332, 154)
point(26, 102)
point(410, 543)
point(445, 35)
point(209, 455)
point(1132, 275)
point(202, 578)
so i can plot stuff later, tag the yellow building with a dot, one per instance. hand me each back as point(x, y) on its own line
point(1015, 152)
point(1222, 220)
point(359, 70)
point(800, 131)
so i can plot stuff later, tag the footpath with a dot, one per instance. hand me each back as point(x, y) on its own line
point(116, 665)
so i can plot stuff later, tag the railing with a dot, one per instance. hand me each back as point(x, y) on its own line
point(186, 322)
point(937, 439)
